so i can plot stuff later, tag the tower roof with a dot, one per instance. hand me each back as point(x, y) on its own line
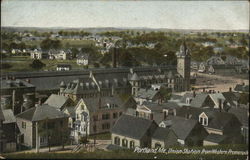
point(184, 51)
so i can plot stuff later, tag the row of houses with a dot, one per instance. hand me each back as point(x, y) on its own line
point(216, 65)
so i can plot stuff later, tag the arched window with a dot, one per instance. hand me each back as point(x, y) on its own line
point(125, 143)
point(157, 145)
point(132, 144)
point(117, 140)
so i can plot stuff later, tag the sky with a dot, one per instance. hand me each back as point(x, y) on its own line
point(224, 15)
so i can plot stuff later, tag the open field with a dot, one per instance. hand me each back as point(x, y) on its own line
point(218, 82)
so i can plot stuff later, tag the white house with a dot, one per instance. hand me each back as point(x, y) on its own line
point(82, 59)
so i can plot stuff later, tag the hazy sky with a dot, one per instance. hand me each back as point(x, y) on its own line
point(106, 13)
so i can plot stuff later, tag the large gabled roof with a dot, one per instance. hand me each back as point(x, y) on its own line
point(56, 101)
point(182, 126)
point(131, 126)
point(41, 112)
point(161, 133)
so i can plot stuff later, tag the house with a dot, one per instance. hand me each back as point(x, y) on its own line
point(15, 91)
point(39, 119)
point(58, 101)
point(243, 115)
point(241, 88)
point(82, 59)
point(219, 101)
point(215, 60)
point(164, 138)
point(130, 132)
point(96, 115)
point(38, 54)
point(59, 54)
point(202, 100)
point(148, 95)
point(189, 132)
point(202, 67)
point(232, 98)
point(215, 122)
point(215, 139)
point(9, 128)
point(63, 67)
point(222, 69)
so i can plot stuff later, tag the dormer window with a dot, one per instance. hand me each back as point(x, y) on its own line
point(188, 100)
point(203, 119)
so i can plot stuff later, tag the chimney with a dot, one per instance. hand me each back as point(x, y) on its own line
point(194, 94)
point(210, 91)
point(243, 83)
point(99, 102)
point(230, 89)
point(114, 58)
point(13, 78)
point(27, 80)
point(151, 116)
point(165, 115)
point(204, 90)
point(220, 105)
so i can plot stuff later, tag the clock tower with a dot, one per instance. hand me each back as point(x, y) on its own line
point(183, 65)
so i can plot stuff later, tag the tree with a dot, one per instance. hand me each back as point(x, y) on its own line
point(37, 64)
point(96, 65)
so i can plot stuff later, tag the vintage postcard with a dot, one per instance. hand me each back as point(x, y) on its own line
point(124, 79)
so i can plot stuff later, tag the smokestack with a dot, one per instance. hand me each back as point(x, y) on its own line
point(13, 100)
point(114, 58)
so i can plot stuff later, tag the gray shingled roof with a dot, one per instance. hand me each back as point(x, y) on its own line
point(216, 138)
point(134, 77)
point(8, 116)
point(71, 111)
point(14, 84)
point(161, 133)
point(198, 100)
point(56, 101)
point(41, 112)
point(147, 93)
point(130, 126)
point(241, 114)
point(216, 119)
point(93, 103)
point(182, 126)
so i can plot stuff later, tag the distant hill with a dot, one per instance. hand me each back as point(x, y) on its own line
point(104, 29)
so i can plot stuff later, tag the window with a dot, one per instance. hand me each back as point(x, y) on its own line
point(105, 116)
point(157, 145)
point(125, 143)
point(24, 125)
point(132, 144)
point(94, 128)
point(105, 126)
point(42, 140)
point(115, 115)
point(51, 125)
point(95, 117)
point(117, 140)
point(61, 123)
